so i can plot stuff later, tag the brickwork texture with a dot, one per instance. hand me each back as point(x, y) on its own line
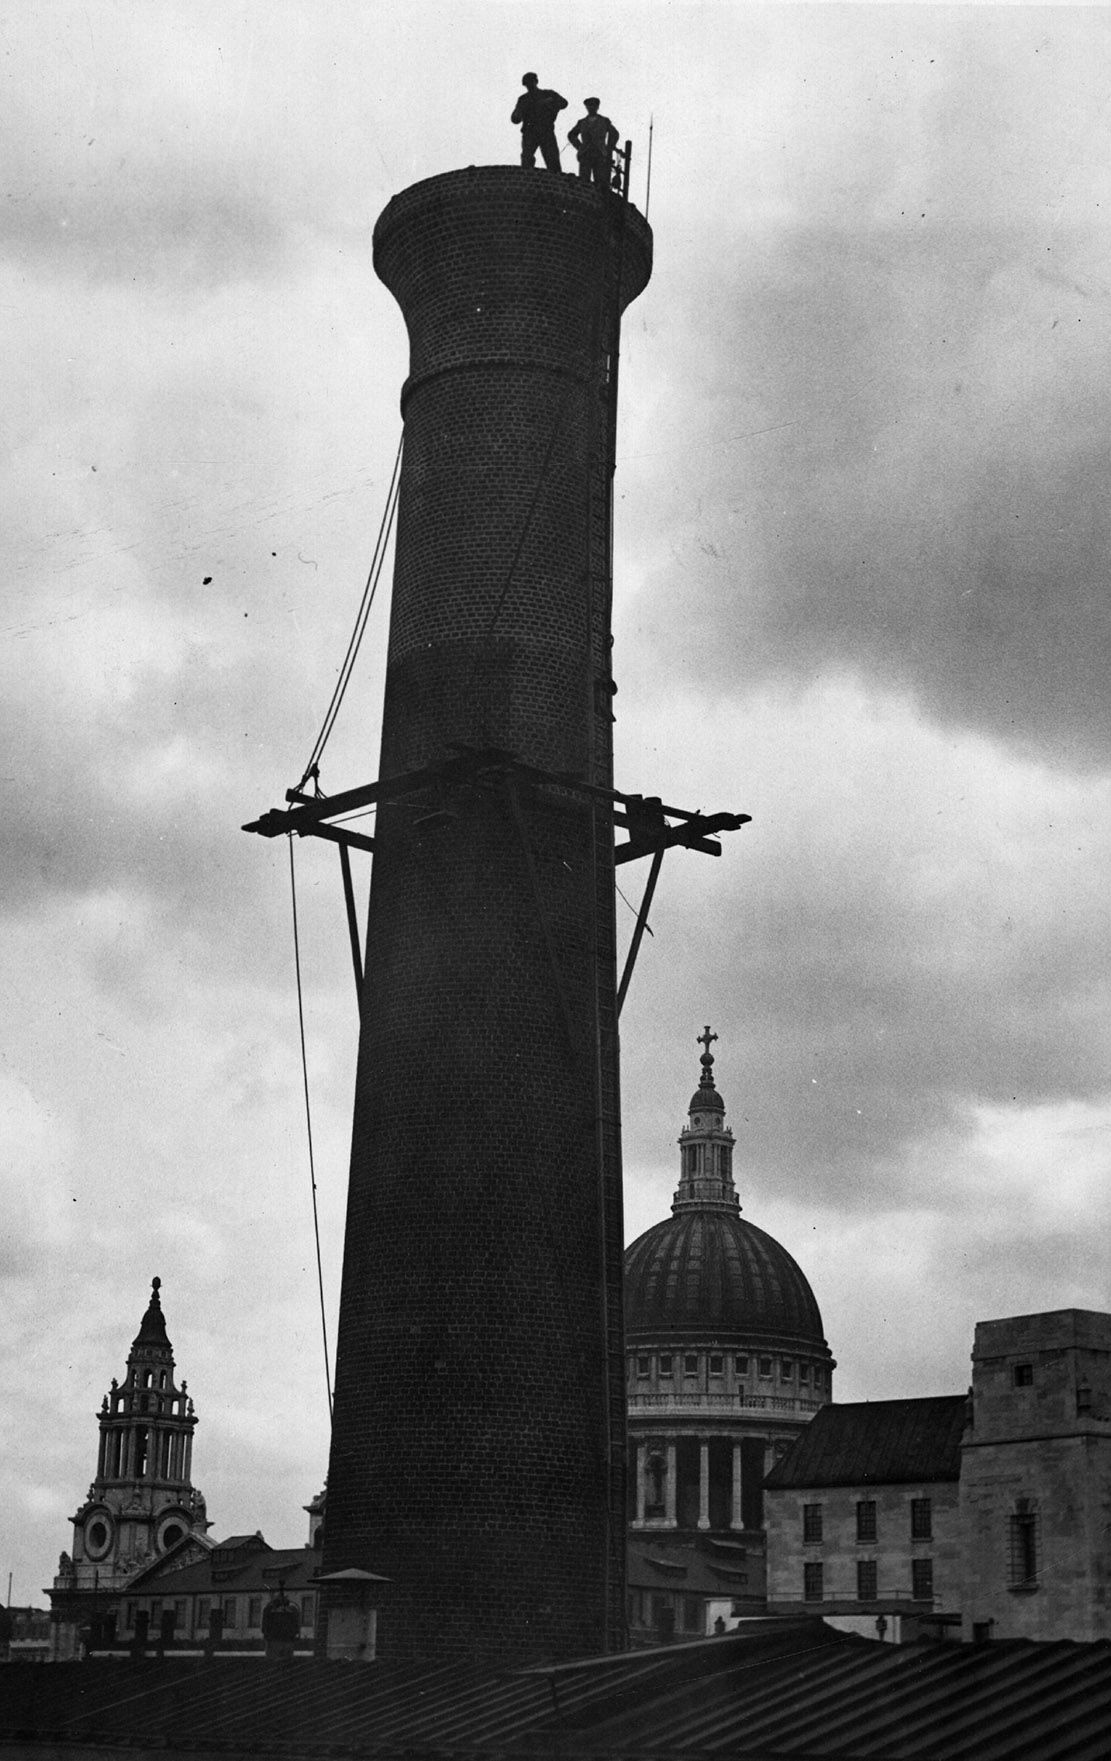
point(479, 1358)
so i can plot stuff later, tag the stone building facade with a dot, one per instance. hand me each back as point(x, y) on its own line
point(1035, 1485)
point(142, 1502)
point(726, 1362)
point(986, 1516)
point(863, 1519)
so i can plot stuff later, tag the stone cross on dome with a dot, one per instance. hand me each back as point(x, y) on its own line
point(706, 1038)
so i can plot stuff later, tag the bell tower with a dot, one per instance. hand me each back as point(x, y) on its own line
point(142, 1501)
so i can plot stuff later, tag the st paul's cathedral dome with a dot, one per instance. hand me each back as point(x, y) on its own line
point(726, 1361)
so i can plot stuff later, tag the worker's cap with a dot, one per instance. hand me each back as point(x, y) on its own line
point(589, 101)
point(530, 79)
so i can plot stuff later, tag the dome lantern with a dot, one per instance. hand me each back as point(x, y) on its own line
point(706, 1145)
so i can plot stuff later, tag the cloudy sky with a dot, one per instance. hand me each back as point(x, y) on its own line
point(861, 594)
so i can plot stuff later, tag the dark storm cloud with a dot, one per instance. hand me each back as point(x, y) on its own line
point(912, 929)
point(946, 525)
point(903, 436)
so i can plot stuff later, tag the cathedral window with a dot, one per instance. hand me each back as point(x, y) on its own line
point(812, 1581)
point(665, 1363)
point(866, 1580)
point(742, 1366)
point(690, 1363)
point(866, 1520)
point(140, 1450)
point(804, 1372)
point(765, 1367)
point(787, 1370)
point(1023, 1375)
point(717, 1363)
point(811, 1522)
point(922, 1579)
point(643, 1365)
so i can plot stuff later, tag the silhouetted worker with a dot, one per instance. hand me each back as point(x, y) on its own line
point(594, 138)
point(536, 111)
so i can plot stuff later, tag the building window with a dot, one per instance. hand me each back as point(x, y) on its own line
point(922, 1579)
point(812, 1582)
point(655, 1479)
point(742, 1366)
point(1024, 1550)
point(804, 1372)
point(866, 1520)
point(1023, 1375)
point(665, 1363)
point(921, 1519)
point(787, 1369)
point(254, 1611)
point(229, 1611)
point(155, 1612)
point(179, 1615)
point(690, 1363)
point(717, 1363)
point(306, 1611)
point(129, 1616)
point(202, 1613)
point(866, 1580)
point(811, 1522)
point(765, 1366)
point(692, 1614)
point(643, 1366)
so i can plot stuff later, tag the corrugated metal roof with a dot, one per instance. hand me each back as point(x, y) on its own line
point(876, 1442)
point(780, 1689)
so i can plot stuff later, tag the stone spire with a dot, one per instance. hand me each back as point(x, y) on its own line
point(152, 1327)
point(706, 1145)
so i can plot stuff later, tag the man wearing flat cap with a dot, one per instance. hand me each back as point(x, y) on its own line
point(594, 138)
point(536, 111)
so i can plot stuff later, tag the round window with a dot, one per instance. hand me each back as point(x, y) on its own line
point(171, 1533)
point(97, 1536)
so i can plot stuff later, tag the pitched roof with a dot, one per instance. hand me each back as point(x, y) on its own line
point(248, 1569)
point(876, 1442)
point(706, 1566)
